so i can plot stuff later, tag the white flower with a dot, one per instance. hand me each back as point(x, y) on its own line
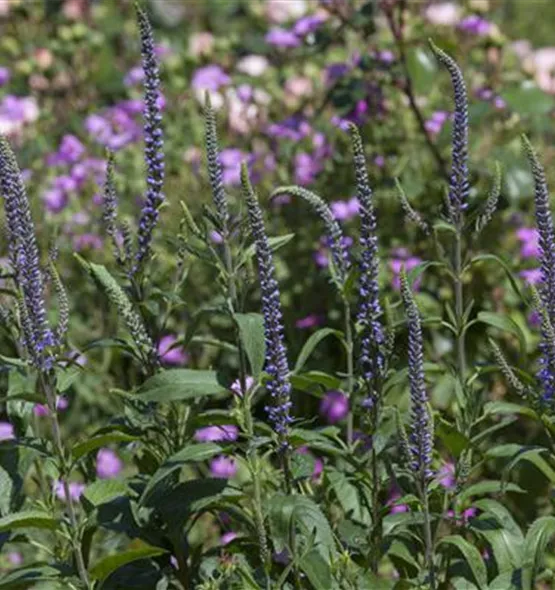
point(253, 65)
point(446, 13)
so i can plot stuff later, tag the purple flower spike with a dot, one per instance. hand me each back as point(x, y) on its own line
point(276, 364)
point(154, 143)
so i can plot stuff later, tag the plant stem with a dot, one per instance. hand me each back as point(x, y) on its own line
point(183, 567)
point(376, 521)
point(429, 547)
point(60, 451)
point(459, 305)
point(350, 371)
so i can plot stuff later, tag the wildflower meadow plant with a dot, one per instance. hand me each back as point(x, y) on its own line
point(219, 418)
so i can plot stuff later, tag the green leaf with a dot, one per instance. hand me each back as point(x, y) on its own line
point(96, 442)
point(472, 557)
point(179, 384)
point(311, 344)
point(455, 442)
point(488, 486)
point(534, 457)
point(28, 519)
point(251, 332)
point(289, 513)
point(191, 453)
point(502, 322)
point(538, 537)
point(276, 242)
point(317, 570)
point(103, 491)
point(26, 577)
point(422, 69)
point(107, 566)
point(509, 408)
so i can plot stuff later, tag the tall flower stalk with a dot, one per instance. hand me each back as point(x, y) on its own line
point(459, 188)
point(37, 335)
point(276, 364)
point(421, 432)
point(154, 142)
point(546, 231)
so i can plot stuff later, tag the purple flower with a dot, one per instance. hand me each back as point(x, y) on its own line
point(134, 76)
point(54, 200)
point(335, 71)
point(276, 365)
point(282, 38)
point(42, 410)
point(15, 558)
point(294, 128)
point(71, 150)
point(475, 25)
point(154, 142)
point(226, 432)
point(421, 436)
point(230, 159)
point(210, 77)
point(409, 262)
point(223, 467)
point(6, 431)
point(307, 25)
point(530, 242)
point(334, 406)
point(5, 75)
point(75, 490)
point(318, 463)
point(435, 123)
point(446, 475)
point(310, 321)
point(169, 355)
point(533, 276)
point(307, 168)
point(108, 464)
point(396, 508)
point(345, 210)
point(236, 385)
point(87, 241)
point(226, 538)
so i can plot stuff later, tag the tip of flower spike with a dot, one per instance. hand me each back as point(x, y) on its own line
point(245, 180)
point(527, 146)
point(207, 101)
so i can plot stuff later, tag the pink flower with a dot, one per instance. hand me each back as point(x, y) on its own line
point(253, 65)
point(223, 467)
point(75, 490)
point(201, 43)
point(236, 385)
point(444, 13)
point(226, 538)
point(278, 11)
point(318, 463)
point(6, 431)
point(310, 321)
point(15, 558)
point(108, 464)
point(169, 355)
point(392, 501)
point(227, 432)
point(334, 406)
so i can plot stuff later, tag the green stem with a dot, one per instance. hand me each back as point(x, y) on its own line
point(182, 565)
point(459, 306)
point(376, 520)
point(350, 371)
point(60, 452)
point(429, 547)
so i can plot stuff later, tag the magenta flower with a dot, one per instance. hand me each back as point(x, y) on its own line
point(279, 37)
point(446, 475)
point(210, 77)
point(394, 496)
point(309, 321)
point(236, 385)
point(4, 76)
point(169, 355)
point(318, 463)
point(227, 432)
point(529, 237)
point(108, 464)
point(75, 490)
point(334, 406)
point(6, 431)
point(464, 517)
point(226, 538)
point(223, 467)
